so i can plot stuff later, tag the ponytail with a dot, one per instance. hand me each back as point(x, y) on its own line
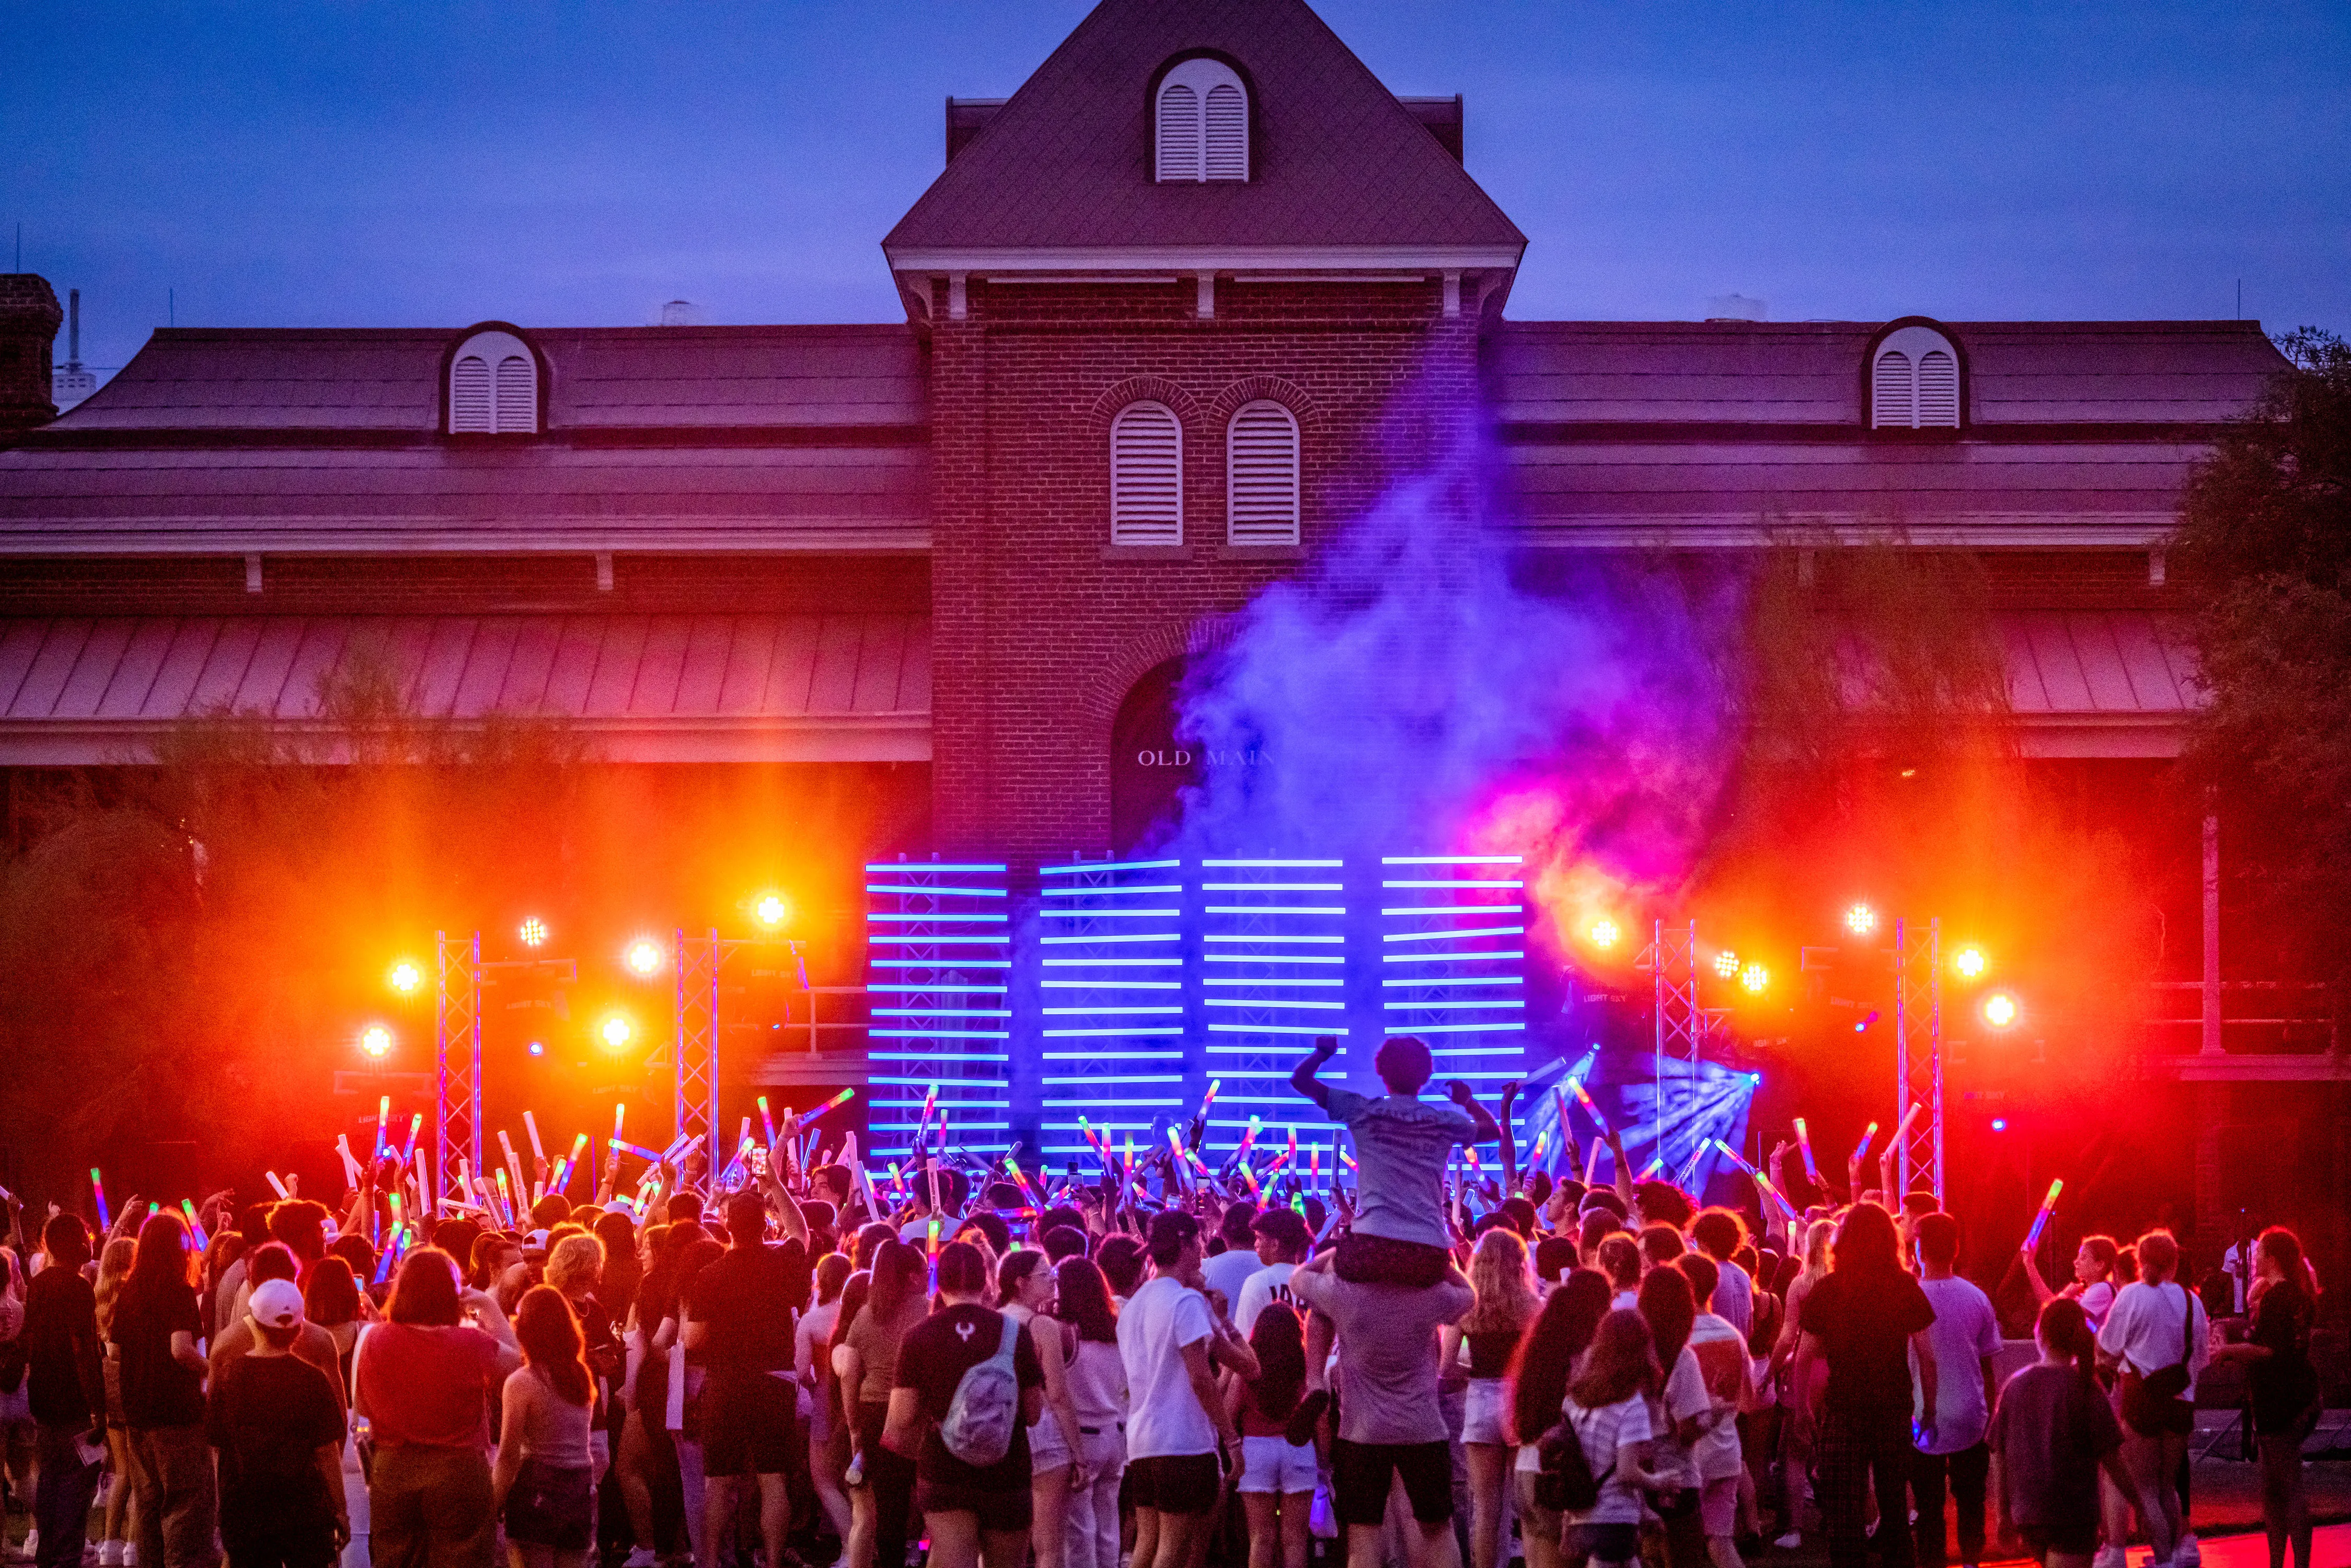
point(2064, 1328)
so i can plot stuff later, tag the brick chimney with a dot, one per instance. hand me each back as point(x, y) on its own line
point(29, 319)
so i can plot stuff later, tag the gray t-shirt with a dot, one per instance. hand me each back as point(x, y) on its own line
point(1387, 1352)
point(1402, 1143)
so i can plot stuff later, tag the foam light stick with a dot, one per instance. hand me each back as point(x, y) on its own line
point(423, 1183)
point(382, 1113)
point(505, 1198)
point(415, 1126)
point(923, 1127)
point(350, 1164)
point(274, 1185)
point(1654, 1166)
point(530, 1125)
point(1248, 1138)
point(652, 1157)
point(843, 1098)
point(1804, 1142)
point(1901, 1128)
point(1591, 1164)
point(620, 1119)
point(1863, 1148)
point(2041, 1220)
point(195, 1226)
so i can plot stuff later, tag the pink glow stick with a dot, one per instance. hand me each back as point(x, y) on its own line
point(1804, 1142)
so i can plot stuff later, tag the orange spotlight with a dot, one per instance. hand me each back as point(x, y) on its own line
point(1755, 978)
point(615, 1032)
point(1968, 963)
point(2000, 1011)
point(772, 910)
point(532, 932)
point(376, 1040)
point(405, 977)
point(1725, 963)
point(1603, 934)
point(1861, 920)
point(646, 957)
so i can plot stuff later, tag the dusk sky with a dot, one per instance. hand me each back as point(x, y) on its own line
point(412, 165)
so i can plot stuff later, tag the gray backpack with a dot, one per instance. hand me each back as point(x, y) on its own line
point(986, 1410)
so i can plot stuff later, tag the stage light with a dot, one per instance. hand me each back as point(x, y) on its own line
point(1755, 1080)
point(1603, 934)
point(615, 1032)
point(1755, 977)
point(1967, 963)
point(1861, 920)
point(538, 1049)
point(532, 932)
point(2000, 1124)
point(1725, 963)
point(404, 978)
point(376, 1040)
point(1862, 1026)
point(772, 910)
point(646, 957)
point(2000, 1009)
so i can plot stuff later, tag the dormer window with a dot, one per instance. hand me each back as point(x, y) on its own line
point(493, 386)
point(1914, 382)
point(1202, 123)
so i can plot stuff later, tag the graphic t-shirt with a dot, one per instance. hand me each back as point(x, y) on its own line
point(1270, 1284)
point(1402, 1143)
point(932, 1360)
point(1718, 1351)
point(1163, 1414)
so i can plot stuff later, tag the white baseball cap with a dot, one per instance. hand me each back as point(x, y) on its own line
point(275, 1304)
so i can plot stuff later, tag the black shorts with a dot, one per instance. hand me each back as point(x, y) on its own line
point(1604, 1542)
point(1010, 1508)
point(1175, 1483)
point(746, 1424)
point(1360, 1474)
point(1381, 1260)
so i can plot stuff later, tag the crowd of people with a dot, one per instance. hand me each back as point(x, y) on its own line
point(792, 1361)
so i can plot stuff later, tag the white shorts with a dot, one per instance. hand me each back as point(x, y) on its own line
point(1717, 1505)
point(1048, 1450)
point(1273, 1464)
point(1485, 1409)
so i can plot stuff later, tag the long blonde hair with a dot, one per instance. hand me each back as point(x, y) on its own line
point(1506, 1292)
point(1817, 1237)
point(113, 1268)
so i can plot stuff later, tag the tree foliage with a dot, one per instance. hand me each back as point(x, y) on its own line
point(2264, 539)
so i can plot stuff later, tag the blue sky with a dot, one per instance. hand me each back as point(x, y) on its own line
point(419, 163)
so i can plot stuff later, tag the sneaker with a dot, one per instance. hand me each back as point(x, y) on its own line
point(2109, 1557)
point(32, 1547)
point(110, 1554)
point(640, 1557)
point(1789, 1541)
point(2187, 1554)
point(1302, 1419)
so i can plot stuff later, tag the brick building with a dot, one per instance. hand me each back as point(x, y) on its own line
point(1177, 311)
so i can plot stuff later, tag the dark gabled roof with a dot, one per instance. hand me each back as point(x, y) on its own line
point(2166, 373)
point(1335, 160)
point(603, 378)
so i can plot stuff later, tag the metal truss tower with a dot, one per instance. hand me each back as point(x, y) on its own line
point(694, 1057)
point(457, 1061)
point(1681, 1025)
point(1918, 1054)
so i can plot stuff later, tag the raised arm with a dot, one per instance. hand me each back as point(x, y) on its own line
point(1488, 1128)
point(1302, 1079)
point(1509, 1149)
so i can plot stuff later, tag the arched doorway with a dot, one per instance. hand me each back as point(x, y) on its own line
point(1148, 768)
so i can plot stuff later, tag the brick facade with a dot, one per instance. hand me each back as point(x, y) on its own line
point(1039, 627)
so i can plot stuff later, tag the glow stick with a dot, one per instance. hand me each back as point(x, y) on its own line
point(767, 1122)
point(1654, 1166)
point(275, 1185)
point(1246, 1139)
point(1535, 1156)
point(466, 1182)
point(1904, 1126)
point(392, 1202)
point(1863, 1149)
point(922, 1128)
point(195, 1226)
point(639, 1150)
point(423, 1184)
point(1175, 1152)
point(415, 1126)
point(1591, 1108)
point(843, 1098)
point(1022, 1178)
point(505, 1198)
point(933, 1229)
point(677, 1146)
point(1314, 1165)
point(621, 1118)
point(530, 1125)
point(1130, 1156)
point(1591, 1164)
point(351, 1166)
point(382, 1110)
point(383, 1265)
point(1348, 1158)
point(2041, 1220)
point(1804, 1142)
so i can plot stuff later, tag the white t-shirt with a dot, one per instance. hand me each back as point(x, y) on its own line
point(1603, 1431)
point(1964, 1331)
point(1164, 1416)
point(1270, 1284)
point(1734, 1297)
point(2097, 1299)
point(1229, 1272)
point(1718, 1348)
point(1684, 1397)
point(2144, 1329)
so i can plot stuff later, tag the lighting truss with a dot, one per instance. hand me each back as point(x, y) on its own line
point(693, 1061)
point(939, 936)
point(456, 1062)
point(1680, 1026)
point(1918, 1053)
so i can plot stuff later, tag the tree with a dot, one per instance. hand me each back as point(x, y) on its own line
point(2264, 535)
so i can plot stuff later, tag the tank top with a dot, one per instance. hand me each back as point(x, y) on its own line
point(1097, 1383)
point(1490, 1351)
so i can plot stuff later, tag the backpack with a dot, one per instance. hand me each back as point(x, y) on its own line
point(1565, 1483)
point(985, 1410)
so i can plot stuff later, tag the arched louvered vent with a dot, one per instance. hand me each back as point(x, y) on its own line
point(1146, 476)
point(1262, 475)
point(1227, 132)
point(1914, 382)
point(1893, 390)
point(1202, 118)
point(493, 387)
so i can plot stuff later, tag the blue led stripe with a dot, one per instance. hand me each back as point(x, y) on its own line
point(1454, 881)
point(1105, 865)
point(1122, 1056)
point(945, 1082)
point(1125, 1078)
point(1452, 859)
point(1275, 909)
point(1426, 982)
point(941, 892)
point(1111, 1013)
point(1465, 955)
point(1264, 1028)
point(1458, 909)
point(1111, 985)
point(1447, 1007)
point(1107, 1034)
point(942, 1012)
point(880, 940)
point(924, 868)
point(1106, 963)
point(1516, 1026)
point(927, 919)
point(1274, 936)
point(1237, 864)
point(1452, 936)
point(1285, 1004)
point(1268, 980)
point(1112, 914)
point(1136, 936)
point(1273, 887)
point(1268, 957)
